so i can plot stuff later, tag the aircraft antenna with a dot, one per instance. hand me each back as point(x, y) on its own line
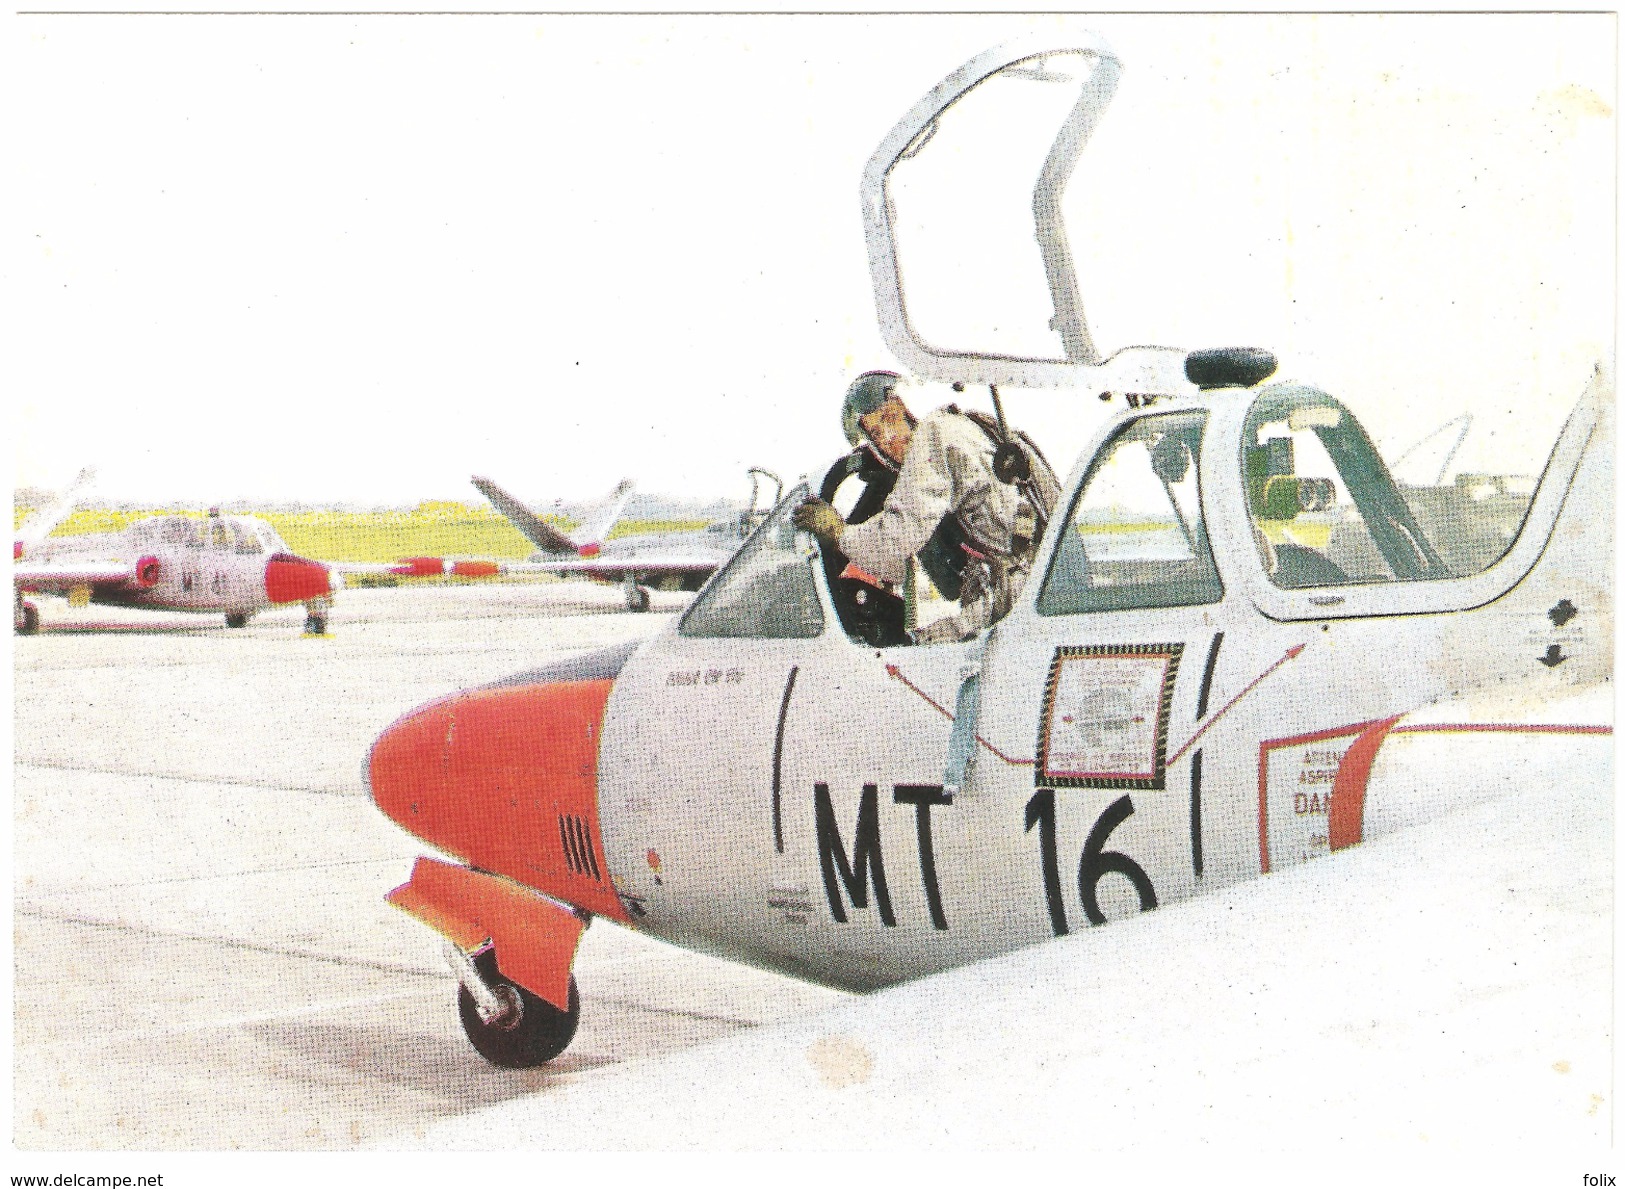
point(1466, 423)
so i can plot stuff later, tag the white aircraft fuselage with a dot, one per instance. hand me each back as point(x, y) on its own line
point(787, 795)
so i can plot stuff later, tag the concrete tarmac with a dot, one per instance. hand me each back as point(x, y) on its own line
point(203, 957)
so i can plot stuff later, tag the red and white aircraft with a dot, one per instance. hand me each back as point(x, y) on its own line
point(683, 558)
point(1243, 646)
point(234, 566)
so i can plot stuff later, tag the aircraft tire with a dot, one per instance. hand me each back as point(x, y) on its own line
point(30, 621)
point(316, 625)
point(637, 599)
point(540, 1033)
point(236, 619)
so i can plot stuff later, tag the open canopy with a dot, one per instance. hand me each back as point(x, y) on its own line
point(963, 291)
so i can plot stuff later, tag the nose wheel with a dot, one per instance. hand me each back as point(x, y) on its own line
point(316, 616)
point(26, 620)
point(506, 1024)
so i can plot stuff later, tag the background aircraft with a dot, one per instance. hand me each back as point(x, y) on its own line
point(551, 542)
point(236, 566)
point(684, 558)
point(1240, 651)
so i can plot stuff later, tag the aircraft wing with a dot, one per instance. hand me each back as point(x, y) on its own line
point(647, 565)
point(542, 534)
point(651, 566)
point(59, 577)
point(1442, 991)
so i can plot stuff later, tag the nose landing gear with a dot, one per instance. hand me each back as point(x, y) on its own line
point(25, 618)
point(505, 1023)
point(316, 616)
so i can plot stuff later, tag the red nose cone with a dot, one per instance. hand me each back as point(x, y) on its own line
point(290, 579)
point(506, 780)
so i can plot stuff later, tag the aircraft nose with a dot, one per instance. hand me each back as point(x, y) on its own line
point(505, 779)
point(290, 579)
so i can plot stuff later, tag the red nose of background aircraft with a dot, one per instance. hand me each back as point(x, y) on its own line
point(291, 579)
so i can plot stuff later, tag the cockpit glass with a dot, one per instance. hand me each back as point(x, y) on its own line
point(269, 539)
point(1326, 510)
point(244, 539)
point(766, 591)
point(180, 530)
point(971, 272)
point(1135, 536)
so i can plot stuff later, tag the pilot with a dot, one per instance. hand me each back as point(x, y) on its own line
point(945, 464)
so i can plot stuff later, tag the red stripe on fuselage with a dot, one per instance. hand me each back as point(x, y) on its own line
point(1345, 819)
point(1450, 728)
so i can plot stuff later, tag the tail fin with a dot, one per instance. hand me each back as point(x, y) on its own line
point(595, 527)
point(39, 525)
point(542, 534)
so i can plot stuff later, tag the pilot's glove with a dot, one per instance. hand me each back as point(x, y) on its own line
point(820, 519)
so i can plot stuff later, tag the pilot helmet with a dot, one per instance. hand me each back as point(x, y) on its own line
point(863, 396)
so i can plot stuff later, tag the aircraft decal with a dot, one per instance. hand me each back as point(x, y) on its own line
point(1555, 637)
point(1207, 676)
point(705, 676)
point(778, 759)
point(1095, 862)
point(1105, 717)
point(922, 797)
point(791, 902)
point(865, 866)
point(865, 861)
point(1196, 811)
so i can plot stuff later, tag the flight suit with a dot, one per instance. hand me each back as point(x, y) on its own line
point(949, 471)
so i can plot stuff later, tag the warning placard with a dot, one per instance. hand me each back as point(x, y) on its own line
point(1295, 779)
point(1105, 721)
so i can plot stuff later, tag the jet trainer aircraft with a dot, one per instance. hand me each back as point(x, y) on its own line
point(232, 565)
point(1241, 648)
point(688, 558)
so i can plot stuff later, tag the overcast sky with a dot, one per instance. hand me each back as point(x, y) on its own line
point(358, 259)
